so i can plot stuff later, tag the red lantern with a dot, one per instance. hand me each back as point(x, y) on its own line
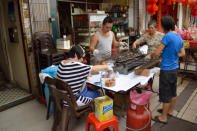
point(194, 13)
point(168, 2)
point(151, 1)
point(194, 10)
point(194, 2)
point(155, 7)
point(195, 7)
point(162, 1)
point(183, 2)
point(189, 2)
point(152, 7)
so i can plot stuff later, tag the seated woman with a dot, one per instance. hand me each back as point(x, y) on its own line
point(152, 38)
point(75, 74)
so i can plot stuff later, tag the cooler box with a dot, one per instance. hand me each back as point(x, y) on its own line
point(63, 44)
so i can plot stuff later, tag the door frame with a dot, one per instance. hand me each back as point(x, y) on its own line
point(25, 45)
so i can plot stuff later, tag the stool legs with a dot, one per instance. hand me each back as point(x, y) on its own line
point(103, 128)
point(87, 126)
point(100, 126)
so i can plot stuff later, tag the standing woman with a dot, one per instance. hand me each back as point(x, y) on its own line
point(171, 48)
point(152, 38)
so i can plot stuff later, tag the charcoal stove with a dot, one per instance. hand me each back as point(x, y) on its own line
point(127, 62)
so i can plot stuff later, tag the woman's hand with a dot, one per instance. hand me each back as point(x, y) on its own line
point(134, 45)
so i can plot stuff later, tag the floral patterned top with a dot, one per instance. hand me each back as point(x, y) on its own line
point(152, 42)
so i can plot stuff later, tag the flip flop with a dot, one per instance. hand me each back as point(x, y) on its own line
point(161, 110)
point(156, 119)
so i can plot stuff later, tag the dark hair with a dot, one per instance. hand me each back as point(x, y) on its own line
point(107, 19)
point(167, 23)
point(78, 50)
point(152, 22)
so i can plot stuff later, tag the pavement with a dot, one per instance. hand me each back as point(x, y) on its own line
point(31, 116)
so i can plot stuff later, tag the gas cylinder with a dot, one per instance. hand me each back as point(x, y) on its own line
point(138, 117)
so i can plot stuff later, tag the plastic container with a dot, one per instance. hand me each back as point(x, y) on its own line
point(103, 108)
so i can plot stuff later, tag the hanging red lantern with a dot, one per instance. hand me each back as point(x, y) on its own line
point(194, 2)
point(152, 7)
point(195, 7)
point(194, 13)
point(155, 7)
point(194, 10)
point(162, 1)
point(168, 2)
point(151, 1)
point(189, 2)
point(183, 2)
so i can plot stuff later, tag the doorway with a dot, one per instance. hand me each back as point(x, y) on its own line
point(14, 87)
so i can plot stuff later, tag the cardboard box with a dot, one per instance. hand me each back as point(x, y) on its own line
point(142, 72)
point(103, 108)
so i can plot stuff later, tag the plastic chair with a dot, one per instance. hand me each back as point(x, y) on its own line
point(64, 92)
point(45, 50)
point(100, 126)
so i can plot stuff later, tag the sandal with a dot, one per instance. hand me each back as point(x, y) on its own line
point(161, 110)
point(156, 119)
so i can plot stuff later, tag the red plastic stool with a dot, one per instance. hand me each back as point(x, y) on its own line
point(100, 126)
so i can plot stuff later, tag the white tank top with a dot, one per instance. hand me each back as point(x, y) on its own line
point(104, 46)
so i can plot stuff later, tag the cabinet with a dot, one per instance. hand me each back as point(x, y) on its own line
point(120, 22)
point(85, 25)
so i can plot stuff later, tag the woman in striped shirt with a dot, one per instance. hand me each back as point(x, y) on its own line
point(75, 74)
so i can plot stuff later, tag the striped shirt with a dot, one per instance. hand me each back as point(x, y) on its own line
point(74, 74)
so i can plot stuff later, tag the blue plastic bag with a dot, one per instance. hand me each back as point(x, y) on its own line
point(52, 71)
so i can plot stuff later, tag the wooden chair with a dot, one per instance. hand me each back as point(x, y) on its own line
point(60, 93)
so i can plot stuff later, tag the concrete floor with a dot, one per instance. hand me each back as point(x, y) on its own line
point(31, 116)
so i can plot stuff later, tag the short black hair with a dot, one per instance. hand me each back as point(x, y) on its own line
point(152, 22)
point(167, 23)
point(107, 19)
point(78, 50)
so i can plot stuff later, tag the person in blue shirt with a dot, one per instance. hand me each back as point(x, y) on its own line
point(171, 48)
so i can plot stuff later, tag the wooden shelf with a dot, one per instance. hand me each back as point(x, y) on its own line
point(116, 11)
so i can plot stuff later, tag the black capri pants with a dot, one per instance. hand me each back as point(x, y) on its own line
point(167, 85)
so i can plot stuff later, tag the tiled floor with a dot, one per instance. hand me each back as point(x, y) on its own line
point(11, 95)
point(31, 115)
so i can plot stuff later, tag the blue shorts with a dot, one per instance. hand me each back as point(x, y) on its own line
point(89, 93)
